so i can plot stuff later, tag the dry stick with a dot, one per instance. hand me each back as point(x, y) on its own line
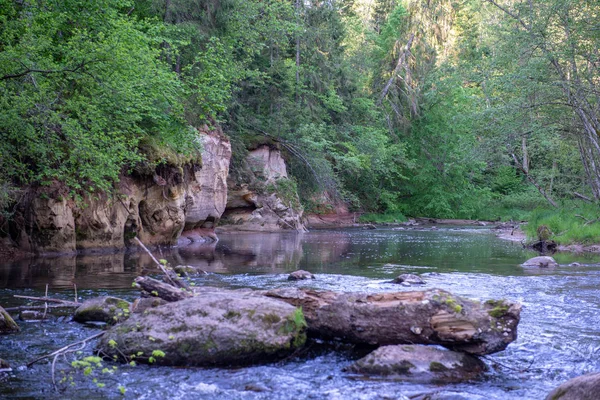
point(21, 308)
point(67, 347)
point(162, 267)
point(45, 304)
point(48, 299)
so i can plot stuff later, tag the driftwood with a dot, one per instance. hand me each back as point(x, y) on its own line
point(170, 277)
point(65, 303)
point(160, 289)
point(424, 317)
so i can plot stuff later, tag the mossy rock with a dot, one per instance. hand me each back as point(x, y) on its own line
point(103, 309)
point(216, 327)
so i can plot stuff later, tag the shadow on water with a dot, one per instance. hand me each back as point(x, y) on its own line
point(559, 334)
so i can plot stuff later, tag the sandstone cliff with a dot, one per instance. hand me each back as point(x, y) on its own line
point(174, 203)
point(262, 197)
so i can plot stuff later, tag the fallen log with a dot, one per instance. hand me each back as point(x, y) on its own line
point(160, 289)
point(424, 317)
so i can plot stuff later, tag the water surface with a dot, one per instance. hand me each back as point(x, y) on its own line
point(559, 333)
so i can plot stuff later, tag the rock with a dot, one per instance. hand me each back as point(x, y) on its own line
point(369, 226)
point(142, 304)
point(32, 315)
point(216, 327)
point(156, 205)
point(420, 364)
point(410, 279)
point(575, 264)
point(103, 309)
point(420, 317)
point(585, 387)
point(4, 366)
point(260, 195)
point(187, 270)
point(7, 324)
point(540, 262)
point(300, 275)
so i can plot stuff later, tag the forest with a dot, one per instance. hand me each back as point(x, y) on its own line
point(478, 109)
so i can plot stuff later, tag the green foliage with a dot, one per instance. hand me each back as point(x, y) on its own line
point(383, 218)
point(80, 86)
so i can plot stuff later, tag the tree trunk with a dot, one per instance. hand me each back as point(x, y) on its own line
point(399, 65)
point(425, 317)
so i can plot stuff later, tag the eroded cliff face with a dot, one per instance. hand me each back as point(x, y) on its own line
point(264, 199)
point(176, 204)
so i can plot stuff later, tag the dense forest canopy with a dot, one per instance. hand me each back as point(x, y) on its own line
point(463, 108)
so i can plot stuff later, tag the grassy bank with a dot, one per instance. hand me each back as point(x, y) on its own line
point(572, 223)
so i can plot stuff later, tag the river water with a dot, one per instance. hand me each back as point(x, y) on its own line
point(558, 338)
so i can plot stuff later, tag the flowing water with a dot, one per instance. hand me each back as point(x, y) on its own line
point(559, 333)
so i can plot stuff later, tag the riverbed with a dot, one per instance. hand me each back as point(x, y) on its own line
point(558, 337)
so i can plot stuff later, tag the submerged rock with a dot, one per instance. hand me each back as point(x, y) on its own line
point(216, 327)
point(541, 262)
point(7, 324)
point(409, 279)
point(300, 275)
point(103, 309)
point(585, 387)
point(419, 364)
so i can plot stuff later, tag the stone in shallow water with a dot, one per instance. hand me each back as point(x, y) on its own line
point(103, 309)
point(418, 363)
point(541, 262)
point(300, 275)
point(409, 279)
point(585, 387)
point(216, 327)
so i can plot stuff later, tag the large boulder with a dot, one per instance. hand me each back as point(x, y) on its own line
point(419, 364)
point(103, 309)
point(421, 317)
point(216, 327)
point(585, 387)
point(540, 262)
point(7, 324)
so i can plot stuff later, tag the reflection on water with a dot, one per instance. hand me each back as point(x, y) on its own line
point(559, 334)
point(379, 253)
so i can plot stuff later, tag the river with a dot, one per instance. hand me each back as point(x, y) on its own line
point(558, 337)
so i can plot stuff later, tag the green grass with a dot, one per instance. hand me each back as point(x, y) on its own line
point(513, 207)
point(565, 225)
point(382, 218)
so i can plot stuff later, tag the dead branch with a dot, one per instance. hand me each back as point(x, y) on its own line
point(26, 308)
point(50, 300)
point(65, 348)
point(583, 197)
point(399, 64)
point(163, 290)
point(169, 277)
